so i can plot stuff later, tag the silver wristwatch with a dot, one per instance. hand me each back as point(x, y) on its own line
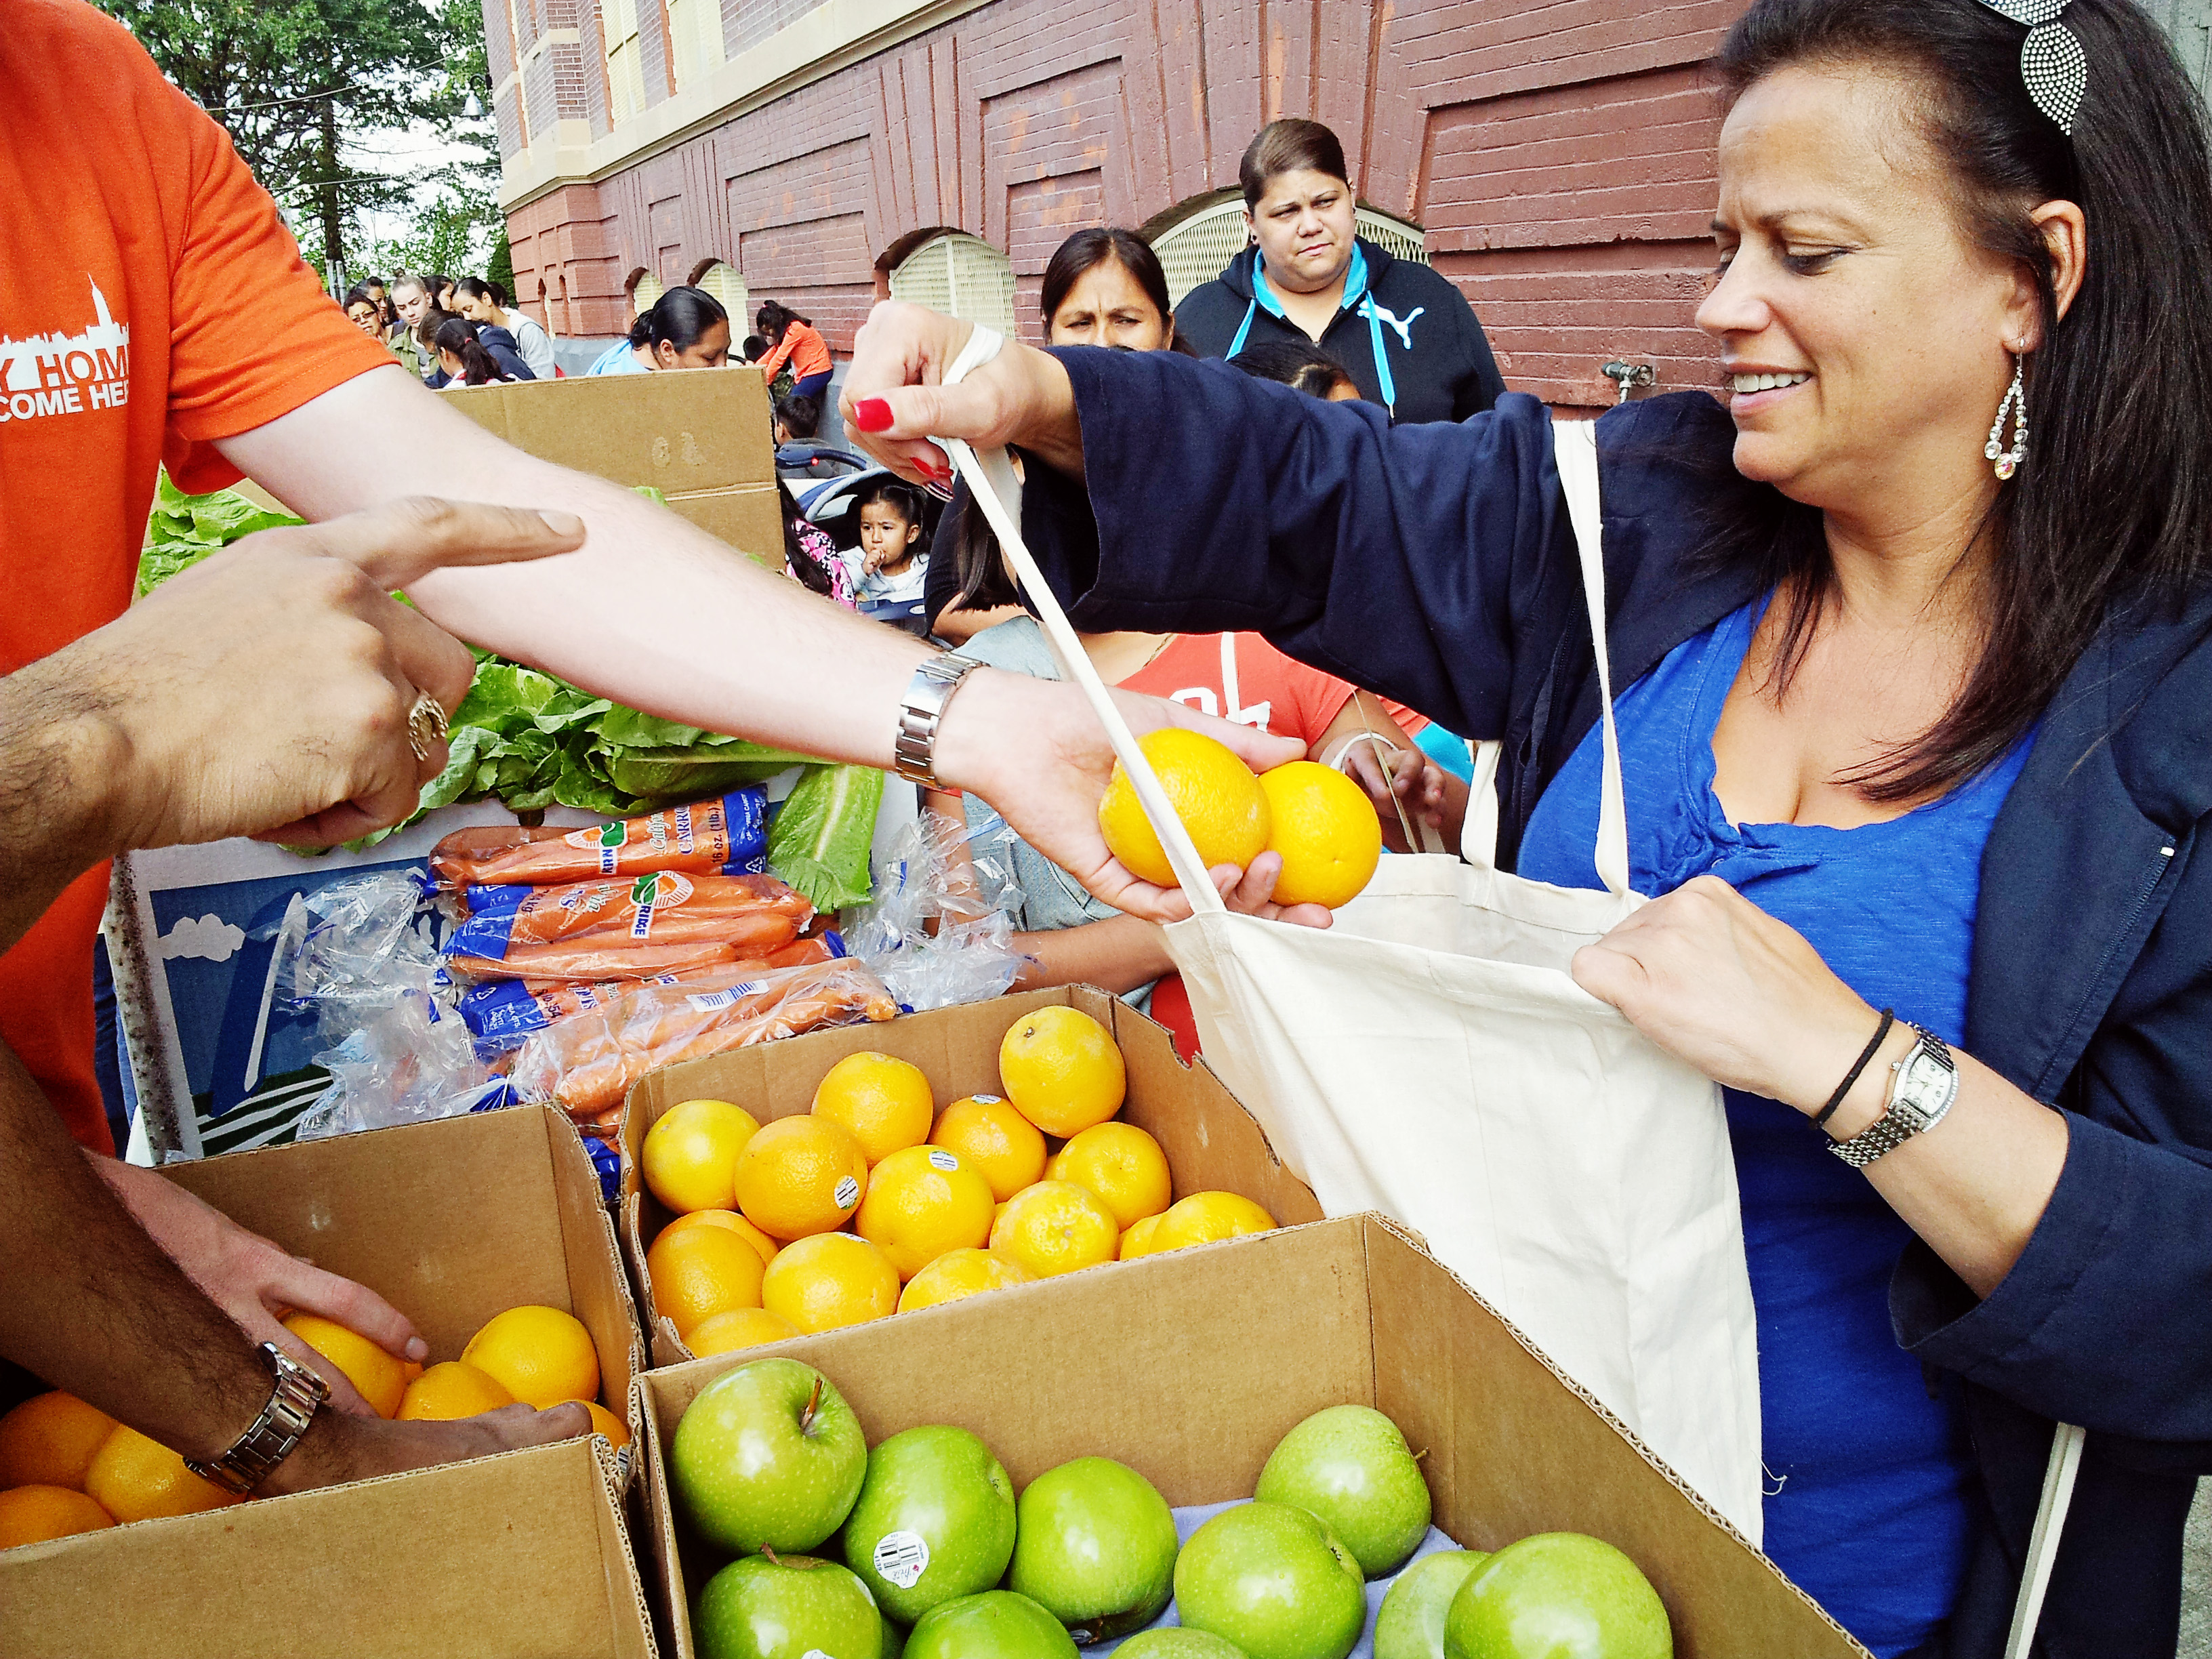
point(914, 751)
point(283, 1421)
point(1922, 1087)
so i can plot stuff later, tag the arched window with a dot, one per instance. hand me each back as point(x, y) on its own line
point(1198, 244)
point(644, 288)
point(715, 277)
point(961, 276)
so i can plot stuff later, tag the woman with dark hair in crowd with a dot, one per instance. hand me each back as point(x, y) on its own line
point(1912, 646)
point(360, 307)
point(1404, 333)
point(1101, 287)
point(485, 304)
point(464, 358)
point(794, 339)
point(686, 328)
point(438, 344)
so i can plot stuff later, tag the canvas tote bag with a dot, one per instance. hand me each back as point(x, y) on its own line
point(1430, 1058)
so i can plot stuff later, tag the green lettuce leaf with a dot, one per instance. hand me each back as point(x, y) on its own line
point(819, 842)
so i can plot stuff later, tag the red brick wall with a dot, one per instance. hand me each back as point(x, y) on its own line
point(1558, 153)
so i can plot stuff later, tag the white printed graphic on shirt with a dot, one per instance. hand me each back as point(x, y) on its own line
point(1384, 314)
point(1201, 697)
point(58, 373)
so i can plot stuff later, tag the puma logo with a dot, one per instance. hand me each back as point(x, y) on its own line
point(1405, 329)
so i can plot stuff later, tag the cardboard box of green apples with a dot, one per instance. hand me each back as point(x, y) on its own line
point(1009, 1476)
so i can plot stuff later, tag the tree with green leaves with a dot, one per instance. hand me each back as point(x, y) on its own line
point(295, 81)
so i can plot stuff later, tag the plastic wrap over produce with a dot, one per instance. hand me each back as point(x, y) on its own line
point(932, 934)
point(588, 930)
point(587, 1063)
point(727, 836)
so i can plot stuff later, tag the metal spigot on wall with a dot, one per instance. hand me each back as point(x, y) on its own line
point(1630, 375)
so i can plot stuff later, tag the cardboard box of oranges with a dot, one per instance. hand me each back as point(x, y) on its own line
point(834, 1178)
point(484, 1230)
point(1189, 1368)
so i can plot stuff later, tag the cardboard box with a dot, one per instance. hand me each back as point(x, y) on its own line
point(1190, 1366)
point(451, 1222)
point(704, 439)
point(518, 1557)
point(1212, 1143)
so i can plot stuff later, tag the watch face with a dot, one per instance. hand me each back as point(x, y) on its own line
point(1924, 1086)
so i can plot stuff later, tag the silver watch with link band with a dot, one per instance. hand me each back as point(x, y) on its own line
point(282, 1422)
point(1922, 1087)
point(914, 750)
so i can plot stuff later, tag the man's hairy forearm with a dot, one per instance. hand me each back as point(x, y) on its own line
point(91, 1299)
point(58, 761)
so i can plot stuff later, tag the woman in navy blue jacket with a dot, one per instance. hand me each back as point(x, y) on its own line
point(1930, 696)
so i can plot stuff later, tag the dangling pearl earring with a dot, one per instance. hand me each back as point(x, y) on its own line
point(2015, 403)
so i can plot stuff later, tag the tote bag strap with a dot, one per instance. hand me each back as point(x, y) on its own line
point(1574, 448)
point(990, 478)
point(2066, 1442)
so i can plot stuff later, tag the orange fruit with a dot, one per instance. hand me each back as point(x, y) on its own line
point(690, 1154)
point(1055, 1227)
point(1124, 1166)
point(541, 1355)
point(922, 1202)
point(763, 1246)
point(411, 1369)
point(957, 1274)
point(607, 1423)
point(1203, 1218)
point(1062, 1070)
point(801, 1175)
point(452, 1389)
point(1138, 1240)
point(50, 1440)
point(702, 1271)
point(1214, 793)
point(740, 1327)
point(135, 1478)
point(1004, 1147)
point(1327, 830)
point(830, 1280)
point(33, 1514)
point(381, 1378)
point(885, 1102)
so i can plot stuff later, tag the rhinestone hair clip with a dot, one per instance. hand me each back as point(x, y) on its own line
point(2051, 60)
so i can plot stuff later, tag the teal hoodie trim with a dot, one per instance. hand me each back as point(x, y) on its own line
point(1356, 298)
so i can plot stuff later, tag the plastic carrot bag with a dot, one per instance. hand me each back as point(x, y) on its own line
point(589, 1063)
point(605, 957)
point(727, 836)
point(665, 907)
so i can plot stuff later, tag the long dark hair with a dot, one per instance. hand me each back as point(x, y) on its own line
point(774, 317)
point(802, 563)
point(1296, 363)
point(2113, 504)
point(476, 289)
point(459, 336)
point(678, 317)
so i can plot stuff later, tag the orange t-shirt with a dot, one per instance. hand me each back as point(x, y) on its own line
point(802, 342)
point(150, 302)
point(1242, 678)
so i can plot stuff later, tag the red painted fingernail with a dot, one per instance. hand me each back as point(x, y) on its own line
point(872, 415)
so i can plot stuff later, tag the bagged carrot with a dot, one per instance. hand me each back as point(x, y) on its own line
point(725, 836)
point(611, 957)
point(502, 1014)
point(589, 1063)
point(664, 907)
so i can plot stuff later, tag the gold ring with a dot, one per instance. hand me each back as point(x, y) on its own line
point(426, 724)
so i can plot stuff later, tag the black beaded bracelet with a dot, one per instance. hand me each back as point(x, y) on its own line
point(1888, 1019)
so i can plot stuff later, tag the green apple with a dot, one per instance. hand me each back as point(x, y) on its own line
point(768, 1457)
point(1274, 1580)
point(996, 1625)
point(791, 1606)
point(1094, 1545)
point(1558, 1596)
point(1178, 1642)
point(935, 1521)
point(1412, 1623)
point(1349, 1466)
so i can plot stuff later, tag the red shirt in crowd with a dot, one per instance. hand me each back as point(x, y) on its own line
point(150, 302)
